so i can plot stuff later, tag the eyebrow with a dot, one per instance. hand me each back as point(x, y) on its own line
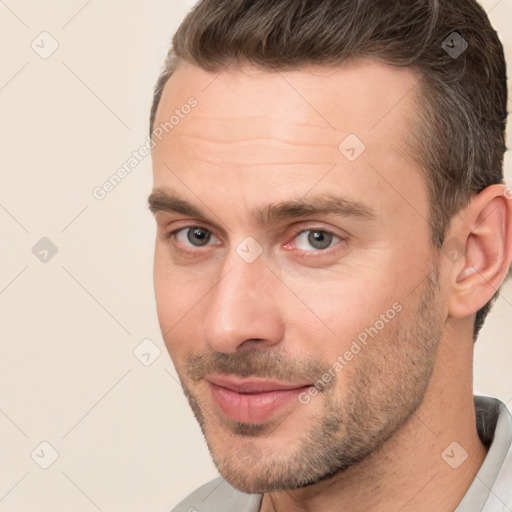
point(162, 200)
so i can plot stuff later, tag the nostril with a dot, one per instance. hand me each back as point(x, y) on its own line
point(251, 342)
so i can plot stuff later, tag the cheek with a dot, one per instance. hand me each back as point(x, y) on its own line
point(342, 304)
point(171, 295)
point(162, 285)
point(344, 311)
point(179, 295)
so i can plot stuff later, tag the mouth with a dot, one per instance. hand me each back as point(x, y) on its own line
point(252, 400)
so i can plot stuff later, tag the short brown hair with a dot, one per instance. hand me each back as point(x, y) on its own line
point(459, 59)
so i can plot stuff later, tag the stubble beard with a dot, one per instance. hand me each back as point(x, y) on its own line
point(389, 380)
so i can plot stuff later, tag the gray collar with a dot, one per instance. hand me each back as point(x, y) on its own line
point(494, 425)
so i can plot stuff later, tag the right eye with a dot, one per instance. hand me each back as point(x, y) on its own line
point(193, 236)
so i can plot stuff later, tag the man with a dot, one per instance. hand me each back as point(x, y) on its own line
point(332, 228)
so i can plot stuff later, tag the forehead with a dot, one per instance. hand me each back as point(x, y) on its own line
point(258, 130)
point(360, 96)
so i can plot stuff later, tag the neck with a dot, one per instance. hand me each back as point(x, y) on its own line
point(420, 468)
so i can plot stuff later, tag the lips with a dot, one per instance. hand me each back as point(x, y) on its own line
point(252, 400)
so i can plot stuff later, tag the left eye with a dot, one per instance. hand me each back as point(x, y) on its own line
point(316, 239)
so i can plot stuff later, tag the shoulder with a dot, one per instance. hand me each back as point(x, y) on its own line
point(218, 496)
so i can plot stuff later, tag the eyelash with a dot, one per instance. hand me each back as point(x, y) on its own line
point(341, 239)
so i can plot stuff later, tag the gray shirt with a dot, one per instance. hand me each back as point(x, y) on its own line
point(491, 490)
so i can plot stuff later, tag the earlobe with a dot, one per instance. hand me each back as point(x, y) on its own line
point(486, 228)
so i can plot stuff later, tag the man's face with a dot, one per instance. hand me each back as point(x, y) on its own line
point(287, 254)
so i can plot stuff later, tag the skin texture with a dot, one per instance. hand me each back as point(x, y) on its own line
point(372, 438)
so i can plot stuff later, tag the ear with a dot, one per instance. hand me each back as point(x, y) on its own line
point(479, 250)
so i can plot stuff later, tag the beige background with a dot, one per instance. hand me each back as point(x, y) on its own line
point(125, 437)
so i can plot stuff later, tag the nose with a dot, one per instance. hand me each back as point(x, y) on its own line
point(243, 309)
